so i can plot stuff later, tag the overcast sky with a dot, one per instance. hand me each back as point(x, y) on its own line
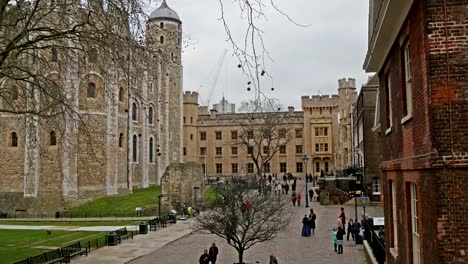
point(307, 61)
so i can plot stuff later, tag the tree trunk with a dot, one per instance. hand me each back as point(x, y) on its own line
point(241, 256)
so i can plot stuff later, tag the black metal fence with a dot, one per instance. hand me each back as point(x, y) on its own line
point(376, 240)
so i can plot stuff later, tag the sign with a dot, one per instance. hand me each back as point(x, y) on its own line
point(379, 221)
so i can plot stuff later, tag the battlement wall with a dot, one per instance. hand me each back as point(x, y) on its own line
point(347, 83)
point(320, 100)
point(190, 97)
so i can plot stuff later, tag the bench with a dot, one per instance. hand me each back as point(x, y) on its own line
point(153, 224)
point(123, 233)
point(53, 256)
point(73, 250)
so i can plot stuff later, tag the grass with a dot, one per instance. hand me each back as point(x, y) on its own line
point(210, 195)
point(16, 245)
point(120, 205)
point(70, 223)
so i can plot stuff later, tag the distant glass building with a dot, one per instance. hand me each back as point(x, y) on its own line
point(224, 107)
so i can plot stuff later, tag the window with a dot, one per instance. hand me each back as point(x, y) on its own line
point(135, 149)
point(14, 92)
point(161, 39)
point(185, 151)
point(298, 133)
point(317, 147)
point(151, 151)
point(282, 149)
point(202, 151)
point(282, 166)
point(317, 132)
point(266, 167)
point(317, 166)
point(325, 131)
point(184, 119)
point(234, 151)
point(219, 135)
point(299, 166)
point(266, 149)
point(326, 166)
point(134, 112)
point(191, 136)
point(91, 91)
point(150, 89)
point(121, 94)
point(376, 185)
point(393, 217)
point(282, 133)
point(414, 224)
point(235, 167)
point(13, 139)
point(250, 134)
point(219, 151)
point(326, 146)
point(53, 138)
point(92, 55)
point(121, 138)
point(250, 150)
point(250, 167)
point(191, 120)
point(203, 166)
point(150, 115)
point(233, 135)
point(202, 135)
point(161, 25)
point(406, 93)
point(377, 112)
point(298, 149)
point(219, 168)
point(54, 55)
point(388, 103)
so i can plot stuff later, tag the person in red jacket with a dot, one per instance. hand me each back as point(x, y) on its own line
point(299, 197)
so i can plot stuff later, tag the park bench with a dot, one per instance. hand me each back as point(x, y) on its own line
point(72, 250)
point(53, 256)
point(153, 224)
point(123, 233)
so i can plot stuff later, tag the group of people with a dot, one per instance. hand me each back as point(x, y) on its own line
point(308, 224)
point(209, 255)
point(340, 230)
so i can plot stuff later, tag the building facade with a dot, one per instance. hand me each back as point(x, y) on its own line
point(419, 50)
point(127, 130)
point(224, 107)
point(315, 131)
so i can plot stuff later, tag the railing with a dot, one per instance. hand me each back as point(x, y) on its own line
point(376, 241)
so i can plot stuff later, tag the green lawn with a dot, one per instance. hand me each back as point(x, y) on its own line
point(16, 245)
point(120, 205)
point(68, 223)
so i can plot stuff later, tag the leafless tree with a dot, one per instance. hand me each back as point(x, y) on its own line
point(244, 216)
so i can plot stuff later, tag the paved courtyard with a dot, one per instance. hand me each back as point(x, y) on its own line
point(289, 247)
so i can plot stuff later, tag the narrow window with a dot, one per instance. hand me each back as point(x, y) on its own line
point(202, 135)
point(250, 167)
point(184, 119)
point(91, 91)
point(161, 39)
point(54, 55)
point(203, 168)
point(191, 120)
point(121, 140)
point(317, 166)
point(151, 153)
point(267, 167)
point(326, 166)
point(388, 102)
point(298, 149)
point(219, 151)
point(282, 149)
point(150, 115)
point(394, 216)
point(282, 166)
point(250, 134)
point(191, 136)
point(219, 135)
point(325, 131)
point(406, 71)
point(53, 138)
point(13, 139)
point(219, 168)
point(234, 151)
point(298, 133)
point(414, 224)
point(134, 112)
point(250, 150)
point(135, 149)
point(298, 166)
point(161, 25)
point(233, 135)
point(235, 167)
point(185, 151)
point(121, 94)
point(202, 151)
point(266, 149)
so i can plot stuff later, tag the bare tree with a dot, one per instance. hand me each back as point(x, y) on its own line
point(244, 216)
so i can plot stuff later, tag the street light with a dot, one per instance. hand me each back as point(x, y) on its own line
point(306, 159)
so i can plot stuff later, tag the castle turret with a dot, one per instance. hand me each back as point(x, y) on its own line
point(190, 126)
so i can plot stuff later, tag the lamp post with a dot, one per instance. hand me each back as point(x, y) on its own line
point(306, 159)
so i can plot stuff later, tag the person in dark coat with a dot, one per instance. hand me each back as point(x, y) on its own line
point(350, 229)
point(312, 218)
point(213, 253)
point(305, 226)
point(270, 178)
point(293, 198)
point(204, 258)
point(311, 195)
point(343, 218)
point(339, 239)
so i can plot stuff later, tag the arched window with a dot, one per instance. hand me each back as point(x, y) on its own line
point(121, 139)
point(53, 138)
point(54, 55)
point(91, 91)
point(161, 39)
point(121, 94)
point(13, 139)
point(161, 25)
point(134, 112)
point(135, 149)
point(151, 151)
point(150, 115)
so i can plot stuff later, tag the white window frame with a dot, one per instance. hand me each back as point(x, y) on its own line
point(390, 112)
point(409, 96)
point(376, 185)
point(377, 112)
point(414, 224)
point(394, 247)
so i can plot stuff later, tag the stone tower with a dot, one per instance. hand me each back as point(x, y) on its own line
point(190, 126)
point(164, 40)
point(348, 96)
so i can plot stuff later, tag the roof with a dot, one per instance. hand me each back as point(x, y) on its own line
point(164, 12)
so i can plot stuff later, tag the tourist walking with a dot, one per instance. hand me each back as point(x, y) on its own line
point(293, 198)
point(286, 185)
point(312, 218)
point(311, 195)
point(305, 226)
point(343, 218)
point(339, 239)
point(204, 258)
point(350, 229)
point(213, 253)
point(299, 197)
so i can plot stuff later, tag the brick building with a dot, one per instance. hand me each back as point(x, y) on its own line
point(128, 131)
point(315, 131)
point(419, 50)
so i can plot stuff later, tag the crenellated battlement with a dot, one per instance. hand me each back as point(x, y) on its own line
point(190, 97)
point(319, 100)
point(347, 83)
